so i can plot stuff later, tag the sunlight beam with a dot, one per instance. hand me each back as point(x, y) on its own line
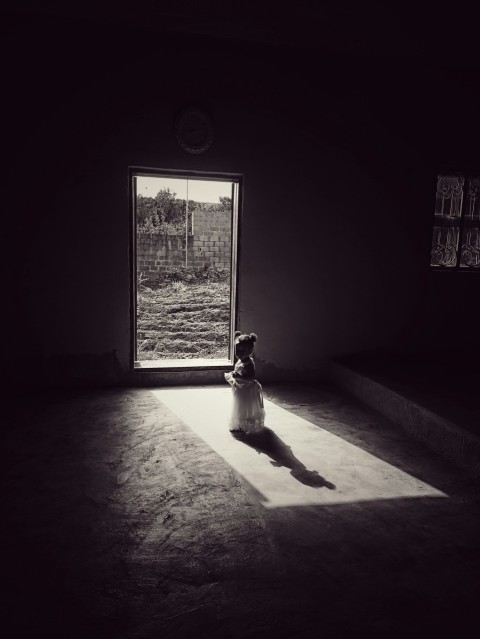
point(299, 455)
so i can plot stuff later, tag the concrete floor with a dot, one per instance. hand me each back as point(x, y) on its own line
point(134, 513)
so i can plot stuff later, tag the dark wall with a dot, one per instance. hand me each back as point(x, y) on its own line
point(339, 157)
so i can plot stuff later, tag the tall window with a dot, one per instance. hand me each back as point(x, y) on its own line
point(456, 230)
point(184, 235)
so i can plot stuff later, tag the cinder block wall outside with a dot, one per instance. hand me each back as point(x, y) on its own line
point(209, 245)
point(211, 238)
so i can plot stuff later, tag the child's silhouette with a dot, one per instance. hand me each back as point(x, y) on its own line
point(248, 414)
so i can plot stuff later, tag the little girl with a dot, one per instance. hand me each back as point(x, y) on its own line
point(248, 414)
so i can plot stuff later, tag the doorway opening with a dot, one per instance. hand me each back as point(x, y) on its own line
point(184, 268)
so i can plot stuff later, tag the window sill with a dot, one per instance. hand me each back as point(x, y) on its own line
point(454, 269)
point(159, 365)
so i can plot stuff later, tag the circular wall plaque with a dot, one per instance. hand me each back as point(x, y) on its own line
point(194, 130)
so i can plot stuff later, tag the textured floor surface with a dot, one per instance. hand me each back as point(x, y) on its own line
point(131, 514)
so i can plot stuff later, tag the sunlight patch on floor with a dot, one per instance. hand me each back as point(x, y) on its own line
point(303, 455)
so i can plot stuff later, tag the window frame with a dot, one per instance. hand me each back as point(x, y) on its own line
point(465, 172)
point(237, 203)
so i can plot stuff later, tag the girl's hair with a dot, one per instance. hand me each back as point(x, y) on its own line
point(245, 337)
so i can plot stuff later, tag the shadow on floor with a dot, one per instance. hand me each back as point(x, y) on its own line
point(270, 444)
point(330, 409)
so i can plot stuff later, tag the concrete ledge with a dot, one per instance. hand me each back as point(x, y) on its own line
point(178, 377)
point(438, 433)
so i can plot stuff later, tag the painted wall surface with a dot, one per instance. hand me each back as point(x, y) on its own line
point(339, 157)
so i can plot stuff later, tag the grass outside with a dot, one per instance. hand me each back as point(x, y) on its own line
point(183, 321)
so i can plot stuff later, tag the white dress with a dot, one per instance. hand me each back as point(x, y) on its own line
point(248, 414)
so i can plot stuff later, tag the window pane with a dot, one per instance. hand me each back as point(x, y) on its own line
point(445, 246)
point(448, 211)
point(471, 231)
point(183, 267)
point(448, 203)
point(473, 199)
